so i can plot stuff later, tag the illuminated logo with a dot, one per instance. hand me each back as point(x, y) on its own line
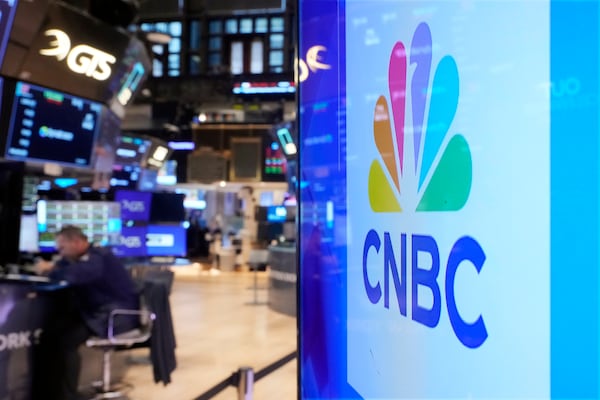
point(312, 64)
point(442, 168)
point(133, 206)
point(131, 242)
point(443, 182)
point(81, 59)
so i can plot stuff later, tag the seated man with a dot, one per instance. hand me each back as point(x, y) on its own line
point(99, 283)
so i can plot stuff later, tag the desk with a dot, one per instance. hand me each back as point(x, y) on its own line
point(26, 306)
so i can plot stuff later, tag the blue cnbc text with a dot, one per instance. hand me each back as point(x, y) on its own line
point(466, 248)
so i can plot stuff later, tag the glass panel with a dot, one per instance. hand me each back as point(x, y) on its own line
point(276, 58)
point(173, 72)
point(214, 43)
point(147, 27)
point(256, 57)
point(214, 59)
point(277, 24)
point(237, 58)
point(158, 49)
point(174, 61)
point(215, 27)
point(276, 41)
point(195, 65)
point(277, 70)
point(195, 35)
point(246, 25)
point(161, 27)
point(157, 68)
point(175, 45)
point(231, 26)
point(175, 29)
point(261, 25)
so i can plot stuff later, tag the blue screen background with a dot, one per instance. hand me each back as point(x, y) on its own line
point(574, 198)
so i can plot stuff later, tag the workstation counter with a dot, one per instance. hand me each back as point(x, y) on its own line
point(27, 305)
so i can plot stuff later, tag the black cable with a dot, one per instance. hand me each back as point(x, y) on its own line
point(219, 387)
point(272, 367)
point(234, 379)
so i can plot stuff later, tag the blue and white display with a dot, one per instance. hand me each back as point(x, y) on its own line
point(449, 200)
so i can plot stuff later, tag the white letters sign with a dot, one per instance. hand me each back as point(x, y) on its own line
point(81, 59)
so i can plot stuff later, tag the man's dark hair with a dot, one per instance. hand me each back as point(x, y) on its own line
point(71, 232)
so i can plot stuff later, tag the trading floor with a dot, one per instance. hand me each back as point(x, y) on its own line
point(219, 330)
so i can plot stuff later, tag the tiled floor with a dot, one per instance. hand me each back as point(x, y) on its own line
point(218, 331)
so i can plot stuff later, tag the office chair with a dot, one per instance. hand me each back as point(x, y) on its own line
point(123, 340)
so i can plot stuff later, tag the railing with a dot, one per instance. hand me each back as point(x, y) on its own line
point(243, 379)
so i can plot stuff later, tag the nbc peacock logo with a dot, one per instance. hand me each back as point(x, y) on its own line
point(440, 178)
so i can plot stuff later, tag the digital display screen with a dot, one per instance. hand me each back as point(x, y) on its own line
point(28, 234)
point(448, 200)
point(126, 176)
point(277, 214)
point(49, 126)
point(75, 53)
point(135, 205)
point(132, 242)
point(99, 220)
point(166, 240)
point(132, 150)
point(275, 164)
point(167, 207)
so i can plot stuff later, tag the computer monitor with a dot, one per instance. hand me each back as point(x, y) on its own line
point(99, 220)
point(47, 126)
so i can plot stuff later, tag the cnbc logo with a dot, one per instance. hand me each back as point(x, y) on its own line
point(441, 182)
point(444, 182)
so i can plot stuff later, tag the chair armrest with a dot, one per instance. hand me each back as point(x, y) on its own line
point(144, 315)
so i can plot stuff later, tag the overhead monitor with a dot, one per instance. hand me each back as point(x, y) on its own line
point(449, 200)
point(99, 220)
point(50, 126)
point(62, 47)
point(132, 149)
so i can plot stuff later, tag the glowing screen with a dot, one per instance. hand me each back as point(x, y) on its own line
point(449, 220)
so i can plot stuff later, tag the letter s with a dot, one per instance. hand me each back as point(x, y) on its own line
point(465, 249)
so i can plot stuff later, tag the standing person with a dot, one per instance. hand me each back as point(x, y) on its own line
point(99, 284)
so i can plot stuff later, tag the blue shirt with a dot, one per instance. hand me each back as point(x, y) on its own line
point(100, 284)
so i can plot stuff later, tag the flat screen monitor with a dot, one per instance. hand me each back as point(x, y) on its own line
point(135, 205)
point(167, 207)
point(277, 214)
point(11, 202)
point(285, 134)
point(62, 47)
point(125, 176)
point(132, 242)
point(449, 201)
point(275, 163)
point(148, 179)
point(49, 126)
point(132, 150)
point(28, 234)
point(166, 240)
point(99, 220)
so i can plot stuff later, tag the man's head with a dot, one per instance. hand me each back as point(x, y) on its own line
point(71, 242)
